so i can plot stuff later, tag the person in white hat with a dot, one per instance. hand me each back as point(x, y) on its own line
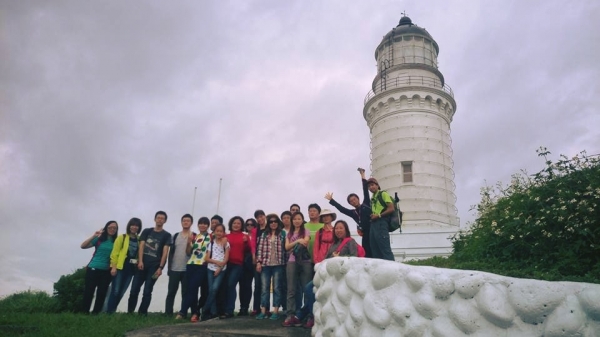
point(324, 236)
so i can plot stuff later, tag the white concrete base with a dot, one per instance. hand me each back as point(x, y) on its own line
point(368, 297)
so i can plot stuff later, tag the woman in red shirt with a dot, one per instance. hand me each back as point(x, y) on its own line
point(240, 245)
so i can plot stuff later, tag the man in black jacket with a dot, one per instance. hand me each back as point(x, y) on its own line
point(361, 213)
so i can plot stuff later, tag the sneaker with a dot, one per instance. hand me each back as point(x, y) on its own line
point(243, 313)
point(254, 313)
point(179, 317)
point(226, 316)
point(274, 316)
point(194, 318)
point(261, 316)
point(291, 321)
point(296, 322)
point(287, 322)
point(309, 323)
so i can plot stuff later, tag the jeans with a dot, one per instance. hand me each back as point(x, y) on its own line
point(214, 283)
point(234, 273)
point(309, 300)
point(380, 240)
point(97, 281)
point(175, 278)
point(142, 277)
point(298, 275)
point(119, 286)
point(196, 278)
point(276, 274)
point(246, 288)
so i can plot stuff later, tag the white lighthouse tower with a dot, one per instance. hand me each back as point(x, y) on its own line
point(409, 111)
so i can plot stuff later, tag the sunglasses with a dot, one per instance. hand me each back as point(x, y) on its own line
point(249, 224)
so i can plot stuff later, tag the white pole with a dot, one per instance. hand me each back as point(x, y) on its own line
point(219, 195)
point(194, 202)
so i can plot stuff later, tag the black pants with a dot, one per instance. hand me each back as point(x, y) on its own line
point(203, 293)
point(246, 288)
point(97, 281)
point(175, 278)
point(257, 292)
point(366, 241)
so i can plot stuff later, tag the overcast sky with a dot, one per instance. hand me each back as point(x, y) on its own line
point(116, 109)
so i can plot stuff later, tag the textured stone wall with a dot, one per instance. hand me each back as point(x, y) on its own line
point(368, 297)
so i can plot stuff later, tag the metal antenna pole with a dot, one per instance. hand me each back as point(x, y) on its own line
point(219, 195)
point(194, 202)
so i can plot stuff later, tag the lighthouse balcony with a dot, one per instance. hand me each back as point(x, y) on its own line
point(408, 81)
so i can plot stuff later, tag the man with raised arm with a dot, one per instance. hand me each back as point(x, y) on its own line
point(361, 213)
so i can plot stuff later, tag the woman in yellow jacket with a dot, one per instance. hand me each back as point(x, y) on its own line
point(123, 262)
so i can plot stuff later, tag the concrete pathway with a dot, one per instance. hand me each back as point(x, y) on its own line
point(232, 327)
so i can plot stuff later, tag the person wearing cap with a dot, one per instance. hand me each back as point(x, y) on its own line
point(324, 236)
point(380, 236)
point(361, 213)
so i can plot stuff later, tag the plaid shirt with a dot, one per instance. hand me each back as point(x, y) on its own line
point(264, 250)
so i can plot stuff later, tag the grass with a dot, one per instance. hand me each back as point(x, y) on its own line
point(69, 324)
point(29, 314)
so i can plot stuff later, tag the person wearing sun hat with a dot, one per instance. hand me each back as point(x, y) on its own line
point(380, 236)
point(324, 236)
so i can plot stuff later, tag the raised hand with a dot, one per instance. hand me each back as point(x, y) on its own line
point(329, 196)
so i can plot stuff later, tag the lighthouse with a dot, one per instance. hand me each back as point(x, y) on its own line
point(409, 111)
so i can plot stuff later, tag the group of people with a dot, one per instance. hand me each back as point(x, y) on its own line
point(276, 252)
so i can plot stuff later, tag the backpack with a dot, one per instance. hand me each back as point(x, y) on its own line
point(395, 219)
point(360, 249)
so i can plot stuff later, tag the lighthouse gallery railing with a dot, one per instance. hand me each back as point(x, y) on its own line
point(403, 81)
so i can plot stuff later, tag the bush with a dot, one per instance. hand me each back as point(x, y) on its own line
point(68, 291)
point(544, 226)
point(29, 302)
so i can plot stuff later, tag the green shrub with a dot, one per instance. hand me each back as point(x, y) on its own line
point(68, 291)
point(29, 302)
point(544, 226)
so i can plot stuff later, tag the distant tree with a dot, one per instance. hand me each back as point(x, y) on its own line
point(545, 225)
point(68, 290)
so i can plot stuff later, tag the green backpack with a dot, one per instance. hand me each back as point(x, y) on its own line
point(395, 219)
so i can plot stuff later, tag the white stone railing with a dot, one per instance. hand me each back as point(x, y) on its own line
point(368, 297)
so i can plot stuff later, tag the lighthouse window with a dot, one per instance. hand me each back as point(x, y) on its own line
point(407, 172)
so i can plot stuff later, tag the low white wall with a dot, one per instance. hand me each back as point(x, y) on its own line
point(369, 297)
